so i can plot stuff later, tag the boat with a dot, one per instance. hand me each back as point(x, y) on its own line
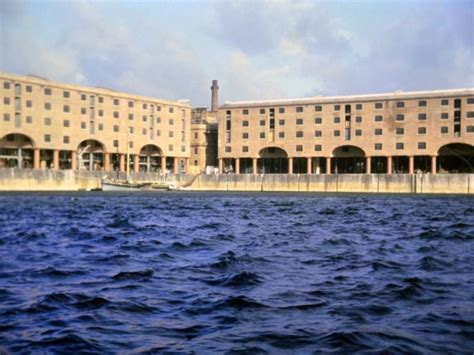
point(122, 185)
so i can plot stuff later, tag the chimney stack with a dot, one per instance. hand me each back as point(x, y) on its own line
point(215, 96)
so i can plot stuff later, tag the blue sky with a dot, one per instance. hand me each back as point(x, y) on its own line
point(256, 49)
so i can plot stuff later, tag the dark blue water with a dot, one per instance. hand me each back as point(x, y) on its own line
point(250, 273)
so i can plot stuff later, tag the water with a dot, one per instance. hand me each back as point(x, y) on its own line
point(253, 273)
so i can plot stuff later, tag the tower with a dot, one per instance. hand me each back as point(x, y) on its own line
point(215, 96)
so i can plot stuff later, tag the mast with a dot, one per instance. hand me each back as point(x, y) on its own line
point(128, 154)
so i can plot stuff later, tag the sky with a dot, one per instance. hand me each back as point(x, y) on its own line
point(257, 50)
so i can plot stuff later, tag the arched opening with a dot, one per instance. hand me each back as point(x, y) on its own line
point(90, 155)
point(272, 160)
point(150, 158)
point(348, 159)
point(456, 158)
point(16, 151)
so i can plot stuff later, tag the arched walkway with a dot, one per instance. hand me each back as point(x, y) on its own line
point(456, 158)
point(272, 160)
point(150, 158)
point(90, 155)
point(16, 151)
point(348, 159)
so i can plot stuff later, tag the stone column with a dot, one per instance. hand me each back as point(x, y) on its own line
point(74, 160)
point(328, 165)
point(290, 166)
point(389, 165)
point(368, 165)
point(254, 166)
point(221, 166)
point(37, 158)
point(56, 159)
point(163, 164)
point(176, 165)
point(122, 163)
point(433, 164)
point(411, 165)
point(237, 165)
point(107, 162)
point(309, 168)
point(136, 162)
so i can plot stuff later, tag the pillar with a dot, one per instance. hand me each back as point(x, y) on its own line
point(389, 165)
point(433, 164)
point(221, 166)
point(368, 165)
point(328, 165)
point(237, 165)
point(411, 165)
point(176, 166)
point(56, 159)
point(122, 162)
point(20, 159)
point(309, 168)
point(107, 162)
point(290, 165)
point(254, 166)
point(37, 158)
point(136, 163)
point(74, 160)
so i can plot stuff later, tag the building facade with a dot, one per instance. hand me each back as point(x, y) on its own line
point(46, 124)
point(203, 140)
point(401, 132)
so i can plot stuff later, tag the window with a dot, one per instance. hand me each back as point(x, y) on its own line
point(158, 133)
point(116, 128)
point(318, 108)
point(422, 103)
point(299, 121)
point(171, 121)
point(66, 108)
point(29, 103)
point(281, 122)
point(318, 133)
point(421, 130)
point(116, 114)
point(47, 138)
point(101, 100)
point(47, 106)
point(130, 104)
point(83, 110)
point(318, 147)
point(378, 118)
point(171, 110)
point(378, 131)
point(158, 108)
point(299, 109)
point(262, 111)
point(6, 117)
point(378, 146)
point(245, 123)
point(130, 116)
point(17, 89)
point(337, 107)
point(400, 118)
point(83, 125)
point(299, 148)
point(47, 91)
point(144, 106)
point(116, 102)
point(47, 121)
point(281, 134)
point(399, 146)
point(29, 88)
point(262, 122)
point(378, 105)
point(422, 117)
point(358, 106)
point(116, 143)
point(245, 135)
point(444, 102)
point(470, 129)
point(228, 149)
point(6, 85)
point(337, 133)
point(158, 120)
point(66, 139)
point(421, 145)
point(358, 132)
point(444, 115)
point(144, 131)
point(195, 135)
point(29, 119)
point(83, 97)
point(318, 120)
point(91, 100)
point(6, 101)
point(444, 129)
point(400, 131)
point(170, 134)
point(299, 134)
point(245, 149)
point(470, 114)
point(144, 118)
point(400, 104)
point(281, 110)
point(66, 123)
point(470, 100)
point(358, 119)
point(245, 112)
point(262, 135)
point(337, 119)
point(66, 94)
point(131, 130)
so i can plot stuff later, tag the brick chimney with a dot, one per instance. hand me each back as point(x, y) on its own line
point(215, 96)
